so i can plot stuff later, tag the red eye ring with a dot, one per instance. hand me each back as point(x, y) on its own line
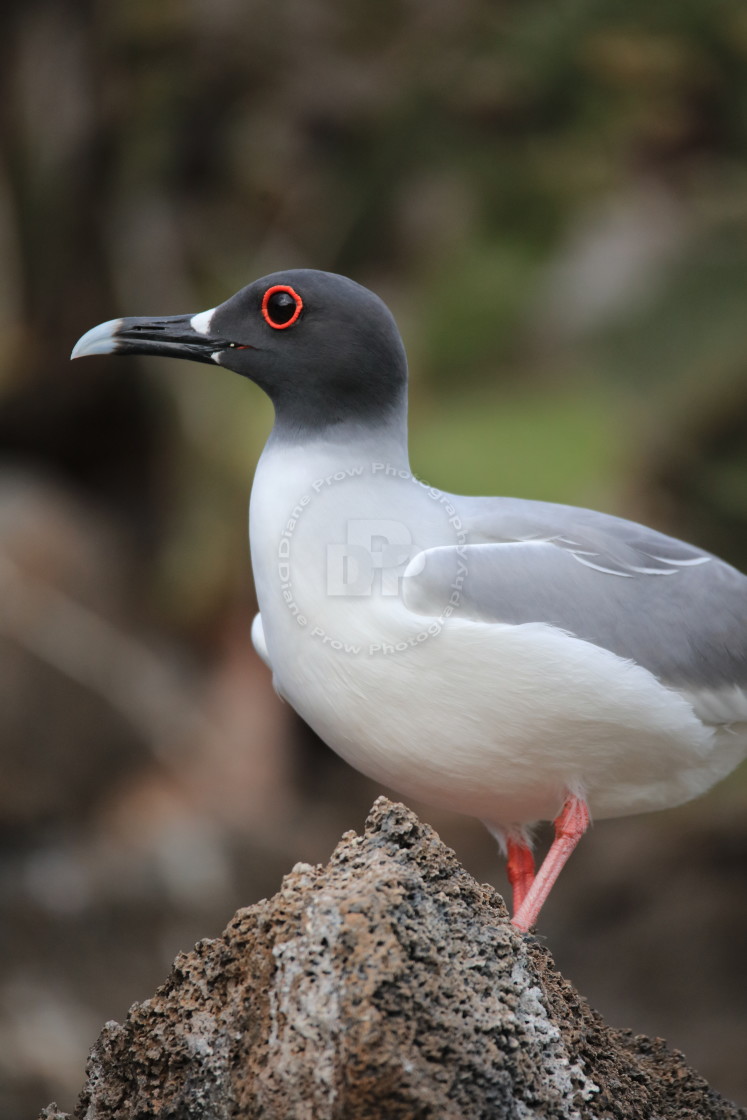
point(266, 311)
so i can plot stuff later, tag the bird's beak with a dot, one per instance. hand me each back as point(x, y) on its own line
point(176, 336)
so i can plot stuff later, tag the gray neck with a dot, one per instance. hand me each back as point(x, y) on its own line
point(383, 439)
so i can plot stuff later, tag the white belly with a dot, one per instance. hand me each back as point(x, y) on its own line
point(502, 722)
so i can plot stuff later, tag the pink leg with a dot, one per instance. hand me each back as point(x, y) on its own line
point(570, 826)
point(520, 868)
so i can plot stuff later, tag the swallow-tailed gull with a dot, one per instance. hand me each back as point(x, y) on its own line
point(514, 660)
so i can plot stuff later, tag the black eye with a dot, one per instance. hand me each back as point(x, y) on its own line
point(281, 306)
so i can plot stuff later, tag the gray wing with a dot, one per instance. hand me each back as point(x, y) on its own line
point(676, 610)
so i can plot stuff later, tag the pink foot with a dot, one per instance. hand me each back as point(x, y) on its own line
point(520, 869)
point(570, 825)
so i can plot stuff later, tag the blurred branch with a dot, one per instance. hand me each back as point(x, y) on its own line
point(91, 651)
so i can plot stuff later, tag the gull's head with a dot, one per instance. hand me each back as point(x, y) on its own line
point(324, 349)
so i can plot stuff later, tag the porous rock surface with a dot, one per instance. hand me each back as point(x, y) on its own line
point(388, 984)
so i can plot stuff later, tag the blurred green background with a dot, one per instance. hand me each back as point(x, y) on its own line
point(552, 198)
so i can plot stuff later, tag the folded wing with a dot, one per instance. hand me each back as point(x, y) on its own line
point(677, 611)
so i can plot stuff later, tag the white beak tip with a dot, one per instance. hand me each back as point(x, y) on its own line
point(99, 340)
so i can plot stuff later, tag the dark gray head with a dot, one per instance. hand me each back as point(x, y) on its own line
point(325, 350)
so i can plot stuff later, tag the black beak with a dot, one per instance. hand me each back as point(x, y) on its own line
point(173, 336)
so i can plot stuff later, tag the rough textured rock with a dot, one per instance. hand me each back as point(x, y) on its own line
point(386, 984)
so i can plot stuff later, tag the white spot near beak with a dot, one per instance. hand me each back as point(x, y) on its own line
point(99, 340)
point(201, 324)
point(201, 321)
